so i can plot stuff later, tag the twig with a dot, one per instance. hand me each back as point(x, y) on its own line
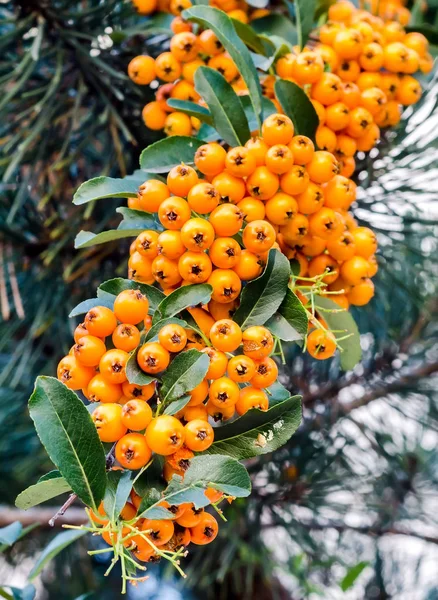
point(63, 509)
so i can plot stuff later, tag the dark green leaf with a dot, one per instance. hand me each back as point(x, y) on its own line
point(86, 305)
point(305, 11)
point(138, 220)
point(184, 373)
point(343, 323)
point(133, 372)
point(152, 477)
point(152, 334)
point(192, 109)
point(169, 152)
point(42, 491)
point(297, 107)
point(276, 25)
point(85, 239)
point(50, 475)
point(226, 109)
point(118, 284)
point(290, 322)
point(268, 108)
point(108, 187)
point(258, 432)
point(207, 133)
point(352, 574)
point(177, 405)
point(222, 25)
point(11, 533)
point(57, 545)
point(117, 493)
point(70, 438)
point(183, 297)
point(277, 393)
point(149, 509)
point(251, 39)
point(261, 297)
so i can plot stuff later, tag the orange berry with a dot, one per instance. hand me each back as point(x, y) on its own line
point(354, 270)
point(210, 158)
point(170, 245)
point(223, 392)
point(257, 342)
point(241, 368)
point(136, 415)
point(209, 43)
point(112, 365)
point(141, 70)
point(365, 242)
point(320, 344)
point(342, 248)
point(178, 123)
point(195, 267)
point(262, 183)
point(181, 179)
point(131, 306)
point(249, 266)
point(205, 531)
point(74, 375)
point(154, 117)
point(158, 531)
point(151, 194)
point(302, 149)
point(361, 294)
point(226, 335)
point(279, 159)
point(277, 129)
point(218, 363)
point(295, 181)
point(100, 390)
point(308, 67)
point(227, 220)
point(266, 373)
point(324, 264)
point(132, 391)
point(174, 212)
point(165, 271)
point(199, 435)
point(194, 413)
point(322, 167)
point(132, 451)
point(225, 252)
point(240, 162)
point(325, 224)
point(258, 148)
point(198, 394)
point(165, 435)
point(153, 358)
point(173, 337)
point(251, 397)
point(89, 350)
point(184, 46)
point(295, 229)
point(167, 67)
point(258, 236)
point(311, 199)
point(252, 209)
point(197, 235)
point(229, 187)
point(328, 89)
point(100, 321)
point(108, 421)
point(222, 413)
point(226, 285)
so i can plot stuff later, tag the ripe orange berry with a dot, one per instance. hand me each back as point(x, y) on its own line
point(180, 461)
point(89, 350)
point(252, 209)
point(279, 159)
point(132, 391)
point(249, 266)
point(153, 358)
point(258, 236)
point(325, 224)
point(409, 91)
point(258, 148)
point(131, 306)
point(218, 363)
point(141, 70)
point(198, 394)
point(294, 181)
point(146, 244)
point(205, 531)
point(223, 392)
point(140, 268)
point(100, 321)
point(74, 375)
point(262, 183)
point(361, 294)
point(178, 123)
point(172, 337)
point(195, 267)
point(339, 193)
point(241, 368)
point(199, 435)
point(360, 122)
point(277, 129)
point(108, 421)
point(225, 65)
point(191, 517)
point(354, 270)
point(226, 335)
point(266, 373)
point(328, 89)
point(203, 198)
point(226, 285)
point(251, 397)
point(320, 344)
point(223, 311)
point(365, 241)
point(240, 162)
point(181, 179)
point(257, 342)
point(178, 25)
point(132, 451)
point(324, 264)
point(151, 194)
point(80, 331)
point(184, 46)
point(210, 158)
point(112, 366)
point(136, 415)
point(312, 246)
point(229, 187)
point(295, 230)
point(350, 94)
point(197, 235)
point(167, 67)
point(308, 67)
point(348, 43)
point(165, 435)
point(342, 248)
point(311, 200)
point(322, 167)
point(169, 244)
point(227, 219)
point(145, 7)
point(222, 413)
point(225, 252)
point(281, 208)
point(165, 271)
point(302, 149)
point(193, 413)
point(174, 212)
point(209, 43)
point(284, 66)
point(100, 390)
point(158, 531)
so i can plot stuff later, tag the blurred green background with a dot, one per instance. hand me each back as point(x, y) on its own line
point(348, 509)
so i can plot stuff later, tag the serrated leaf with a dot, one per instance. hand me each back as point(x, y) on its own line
point(169, 152)
point(227, 112)
point(11, 533)
point(108, 187)
point(192, 109)
point(57, 545)
point(261, 297)
point(258, 432)
point(297, 107)
point(118, 284)
point(184, 373)
point(117, 493)
point(133, 372)
point(182, 298)
point(304, 11)
point(352, 574)
point(42, 491)
point(276, 24)
point(152, 334)
point(290, 322)
point(222, 25)
point(343, 323)
point(69, 436)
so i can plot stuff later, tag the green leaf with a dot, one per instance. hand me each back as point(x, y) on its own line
point(343, 323)
point(261, 297)
point(352, 574)
point(229, 118)
point(184, 373)
point(152, 334)
point(276, 24)
point(277, 393)
point(251, 39)
point(148, 507)
point(169, 152)
point(57, 545)
point(118, 284)
point(133, 372)
point(192, 109)
point(297, 107)
point(27, 593)
point(86, 305)
point(219, 472)
point(108, 187)
point(268, 108)
point(152, 477)
point(42, 491)
point(138, 219)
point(11, 533)
point(50, 475)
point(280, 48)
point(117, 493)
point(183, 297)
point(305, 11)
point(177, 405)
point(290, 322)
point(222, 25)
point(258, 432)
point(69, 436)
point(85, 239)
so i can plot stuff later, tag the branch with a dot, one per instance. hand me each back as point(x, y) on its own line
point(61, 512)
point(76, 516)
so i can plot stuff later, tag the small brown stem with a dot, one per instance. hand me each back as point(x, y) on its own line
point(63, 509)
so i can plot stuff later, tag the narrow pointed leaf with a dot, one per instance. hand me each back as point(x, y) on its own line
point(138, 219)
point(108, 187)
point(161, 156)
point(305, 11)
point(11, 533)
point(276, 25)
point(57, 545)
point(118, 284)
point(290, 322)
point(297, 107)
point(133, 372)
point(69, 436)
point(86, 305)
point(251, 39)
point(42, 491)
point(258, 432)
point(183, 297)
point(152, 334)
point(185, 372)
point(192, 109)
point(117, 492)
